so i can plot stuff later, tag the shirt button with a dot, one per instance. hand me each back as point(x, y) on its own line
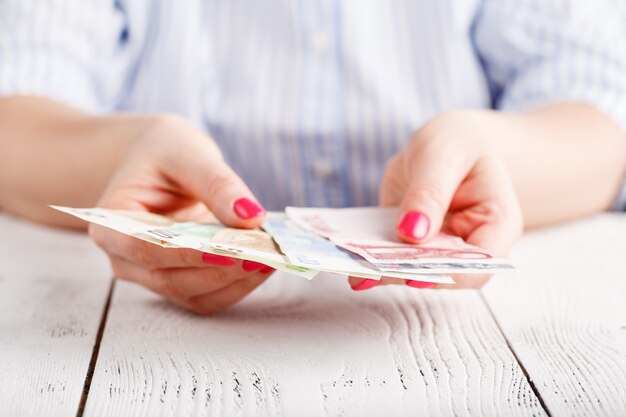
point(323, 168)
point(320, 43)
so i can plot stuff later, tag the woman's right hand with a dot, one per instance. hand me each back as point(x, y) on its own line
point(174, 169)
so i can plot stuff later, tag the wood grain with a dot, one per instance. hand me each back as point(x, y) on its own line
point(565, 314)
point(316, 348)
point(53, 286)
point(297, 348)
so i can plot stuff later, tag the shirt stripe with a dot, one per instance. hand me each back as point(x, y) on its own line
point(308, 100)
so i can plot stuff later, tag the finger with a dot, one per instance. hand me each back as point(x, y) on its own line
point(151, 256)
point(193, 282)
point(430, 191)
point(267, 270)
point(420, 284)
point(497, 237)
point(492, 220)
point(177, 283)
point(362, 284)
point(252, 266)
point(128, 271)
point(219, 300)
point(204, 174)
point(182, 285)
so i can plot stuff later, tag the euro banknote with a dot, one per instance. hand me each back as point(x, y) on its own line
point(213, 238)
point(369, 233)
point(355, 242)
point(307, 249)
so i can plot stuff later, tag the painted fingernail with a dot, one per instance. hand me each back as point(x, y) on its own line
point(247, 209)
point(420, 284)
point(414, 224)
point(267, 270)
point(213, 259)
point(250, 266)
point(366, 284)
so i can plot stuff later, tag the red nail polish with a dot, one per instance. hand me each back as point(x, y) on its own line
point(267, 270)
point(420, 284)
point(414, 224)
point(250, 266)
point(213, 259)
point(248, 209)
point(366, 284)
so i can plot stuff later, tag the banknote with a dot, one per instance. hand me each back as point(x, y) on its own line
point(304, 253)
point(212, 238)
point(369, 232)
point(307, 249)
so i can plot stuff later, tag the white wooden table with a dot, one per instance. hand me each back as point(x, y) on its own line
point(550, 341)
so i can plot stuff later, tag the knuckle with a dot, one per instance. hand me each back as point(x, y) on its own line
point(509, 216)
point(492, 212)
point(188, 257)
point(162, 277)
point(143, 257)
point(427, 193)
point(221, 182)
point(164, 283)
point(167, 122)
point(222, 275)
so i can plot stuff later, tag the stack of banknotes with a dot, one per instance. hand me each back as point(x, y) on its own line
point(358, 242)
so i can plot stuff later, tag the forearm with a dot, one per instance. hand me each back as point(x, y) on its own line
point(53, 154)
point(566, 160)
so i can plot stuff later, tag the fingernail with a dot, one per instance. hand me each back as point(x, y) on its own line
point(250, 266)
point(420, 284)
point(248, 209)
point(267, 270)
point(366, 284)
point(213, 259)
point(414, 224)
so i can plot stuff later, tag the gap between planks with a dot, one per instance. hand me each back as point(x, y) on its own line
point(96, 350)
point(105, 313)
point(517, 359)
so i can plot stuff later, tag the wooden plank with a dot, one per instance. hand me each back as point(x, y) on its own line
point(53, 286)
point(565, 315)
point(308, 349)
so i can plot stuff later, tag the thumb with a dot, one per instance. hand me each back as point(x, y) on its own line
point(207, 177)
point(427, 199)
point(230, 199)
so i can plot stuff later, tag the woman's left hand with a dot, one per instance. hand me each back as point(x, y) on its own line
point(450, 178)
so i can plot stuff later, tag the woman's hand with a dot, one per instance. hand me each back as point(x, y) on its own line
point(449, 177)
point(175, 170)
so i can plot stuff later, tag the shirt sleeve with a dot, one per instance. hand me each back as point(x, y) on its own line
point(539, 51)
point(68, 50)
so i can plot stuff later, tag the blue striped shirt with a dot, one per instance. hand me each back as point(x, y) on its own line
point(308, 99)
